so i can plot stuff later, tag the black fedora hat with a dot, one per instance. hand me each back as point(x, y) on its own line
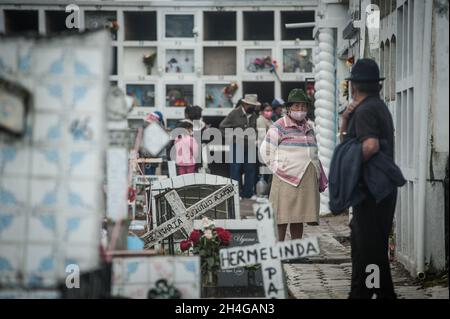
point(365, 70)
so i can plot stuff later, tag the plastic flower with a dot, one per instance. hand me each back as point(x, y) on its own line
point(114, 26)
point(219, 229)
point(303, 53)
point(185, 245)
point(195, 236)
point(148, 59)
point(224, 236)
point(207, 223)
point(206, 243)
point(208, 234)
point(131, 194)
point(350, 61)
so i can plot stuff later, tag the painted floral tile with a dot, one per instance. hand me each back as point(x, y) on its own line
point(50, 96)
point(186, 270)
point(47, 128)
point(50, 61)
point(135, 270)
point(43, 227)
point(10, 262)
point(46, 194)
point(41, 265)
point(82, 195)
point(83, 97)
point(84, 129)
point(14, 160)
point(46, 162)
point(160, 268)
point(86, 257)
point(118, 273)
point(12, 226)
point(87, 62)
point(8, 56)
point(13, 192)
point(129, 279)
point(25, 55)
point(83, 163)
point(80, 228)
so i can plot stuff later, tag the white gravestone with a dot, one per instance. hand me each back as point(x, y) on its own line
point(184, 217)
point(52, 178)
point(117, 173)
point(140, 276)
point(155, 139)
point(268, 252)
point(172, 169)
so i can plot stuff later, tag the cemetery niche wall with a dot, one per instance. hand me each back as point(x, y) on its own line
point(192, 51)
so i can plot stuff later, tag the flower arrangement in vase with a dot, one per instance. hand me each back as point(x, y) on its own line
point(149, 60)
point(206, 242)
point(230, 90)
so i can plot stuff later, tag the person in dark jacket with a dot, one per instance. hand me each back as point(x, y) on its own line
point(368, 120)
point(243, 145)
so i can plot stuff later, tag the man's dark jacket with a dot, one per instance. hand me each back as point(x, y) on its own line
point(237, 119)
point(350, 178)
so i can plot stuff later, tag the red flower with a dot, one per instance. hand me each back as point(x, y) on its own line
point(219, 229)
point(195, 236)
point(185, 245)
point(131, 194)
point(224, 236)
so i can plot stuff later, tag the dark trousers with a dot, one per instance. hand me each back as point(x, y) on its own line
point(239, 162)
point(370, 229)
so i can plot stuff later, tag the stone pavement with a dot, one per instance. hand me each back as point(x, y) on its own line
point(327, 276)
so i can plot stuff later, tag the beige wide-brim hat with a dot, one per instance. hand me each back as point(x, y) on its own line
point(251, 99)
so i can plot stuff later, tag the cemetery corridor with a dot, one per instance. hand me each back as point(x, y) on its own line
point(141, 141)
point(328, 275)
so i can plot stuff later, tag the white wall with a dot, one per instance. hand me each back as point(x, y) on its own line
point(439, 124)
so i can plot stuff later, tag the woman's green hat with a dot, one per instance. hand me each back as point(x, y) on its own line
point(297, 96)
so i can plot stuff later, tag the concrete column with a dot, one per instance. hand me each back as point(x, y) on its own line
point(325, 101)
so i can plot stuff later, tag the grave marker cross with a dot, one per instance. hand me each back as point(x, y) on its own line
point(268, 252)
point(184, 217)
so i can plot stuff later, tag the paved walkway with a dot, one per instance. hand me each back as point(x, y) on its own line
point(327, 276)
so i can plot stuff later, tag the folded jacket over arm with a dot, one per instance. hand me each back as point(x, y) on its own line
point(347, 171)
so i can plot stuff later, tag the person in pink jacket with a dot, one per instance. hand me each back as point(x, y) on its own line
point(186, 148)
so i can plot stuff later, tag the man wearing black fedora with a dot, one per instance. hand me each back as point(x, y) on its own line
point(368, 120)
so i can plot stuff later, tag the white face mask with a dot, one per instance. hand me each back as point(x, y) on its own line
point(298, 115)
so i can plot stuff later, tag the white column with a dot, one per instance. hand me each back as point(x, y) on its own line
point(325, 79)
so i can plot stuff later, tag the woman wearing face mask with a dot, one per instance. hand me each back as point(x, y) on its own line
point(264, 121)
point(290, 151)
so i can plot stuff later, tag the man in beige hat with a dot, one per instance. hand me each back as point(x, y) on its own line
point(244, 148)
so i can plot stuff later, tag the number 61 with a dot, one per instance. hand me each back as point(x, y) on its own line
point(267, 210)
